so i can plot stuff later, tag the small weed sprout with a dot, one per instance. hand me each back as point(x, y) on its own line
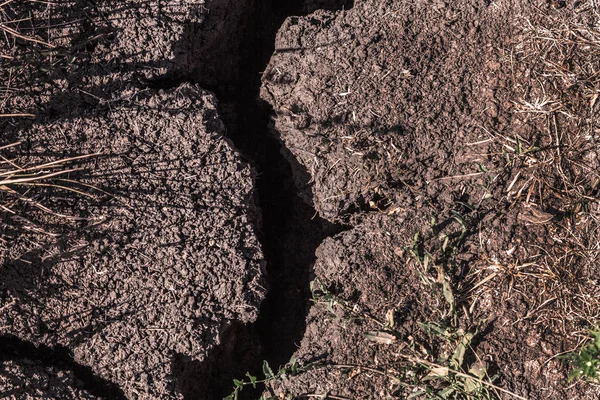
point(586, 362)
point(291, 369)
point(449, 376)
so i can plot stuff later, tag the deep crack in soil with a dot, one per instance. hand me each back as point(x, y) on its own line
point(291, 229)
point(227, 55)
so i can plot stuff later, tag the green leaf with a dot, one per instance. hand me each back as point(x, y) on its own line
point(479, 370)
point(586, 362)
point(267, 370)
point(446, 287)
point(533, 149)
point(294, 365)
point(459, 353)
point(416, 239)
point(437, 373)
point(234, 396)
point(596, 336)
point(252, 378)
point(446, 241)
point(238, 384)
point(435, 329)
point(445, 393)
point(330, 305)
point(433, 222)
point(466, 205)
point(472, 386)
point(576, 373)
point(426, 261)
point(416, 394)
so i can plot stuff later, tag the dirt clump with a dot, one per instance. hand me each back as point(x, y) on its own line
point(87, 53)
point(409, 119)
point(28, 380)
point(141, 255)
point(378, 102)
point(153, 271)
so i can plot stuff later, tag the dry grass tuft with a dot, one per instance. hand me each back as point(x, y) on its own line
point(559, 90)
point(553, 162)
point(17, 182)
point(19, 39)
point(21, 179)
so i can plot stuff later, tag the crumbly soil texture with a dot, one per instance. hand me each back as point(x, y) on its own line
point(381, 199)
point(449, 135)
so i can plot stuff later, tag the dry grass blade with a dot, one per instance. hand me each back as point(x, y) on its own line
point(17, 115)
point(47, 175)
point(552, 180)
point(52, 164)
point(35, 178)
point(38, 205)
point(434, 366)
point(15, 33)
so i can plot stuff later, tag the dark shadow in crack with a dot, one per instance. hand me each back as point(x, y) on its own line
point(311, 6)
point(229, 52)
point(13, 348)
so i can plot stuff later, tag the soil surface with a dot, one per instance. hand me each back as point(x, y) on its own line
point(140, 284)
point(144, 257)
point(30, 380)
point(397, 110)
point(209, 184)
